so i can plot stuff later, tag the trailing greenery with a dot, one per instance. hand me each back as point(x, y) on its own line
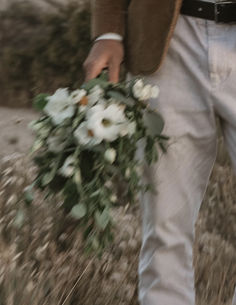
point(86, 144)
point(41, 51)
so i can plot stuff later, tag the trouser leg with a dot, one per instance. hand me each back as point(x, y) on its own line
point(196, 79)
point(166, 275)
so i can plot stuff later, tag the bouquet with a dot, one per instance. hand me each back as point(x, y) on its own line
point(85, 148)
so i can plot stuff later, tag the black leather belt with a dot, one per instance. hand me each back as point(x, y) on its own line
point(223, 11)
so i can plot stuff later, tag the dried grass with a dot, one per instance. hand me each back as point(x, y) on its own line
point(43, 262)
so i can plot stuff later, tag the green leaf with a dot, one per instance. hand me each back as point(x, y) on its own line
point(95, 243)
point(28, 195)
point(38, 143)
point(76, 121)
point(95, 194)
point(151, 153)
point(19, 219)
point(104, 75)
point(94, 82)
point(121, 98)
point(40, 101)
point(71, 195)
point(47, 178)
point(57, 184)
point(78, 211)
point(102, 219)
point(154, 123)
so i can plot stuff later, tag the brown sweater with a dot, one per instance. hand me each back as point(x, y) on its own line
point(146, 25)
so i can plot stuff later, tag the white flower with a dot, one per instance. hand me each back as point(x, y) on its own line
point(78, 95)
point(68, 168)
point(144, 92)
point(106, 123)
point(95, 94)
point(110, 155)
point(85, 136)
point(137, 88)
point(85, 101)
point(60, 106)
point(95, 109)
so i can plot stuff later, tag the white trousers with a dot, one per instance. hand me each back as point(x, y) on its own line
point(197, 82)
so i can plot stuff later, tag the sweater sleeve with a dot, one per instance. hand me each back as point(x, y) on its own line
point(108, 16)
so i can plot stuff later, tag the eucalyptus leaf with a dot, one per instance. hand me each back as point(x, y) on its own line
point(95, 194)
point(151, 153)
point(95, 243)
point(28, 195)
point(40, 101)
point(121, 97)
point(95, 82)
point(102, 219)
point(78, 211)
point(47, 178)
point(38, 143)
point(104, 75)
point(76, 121)
point(154, 123)
point(19, 219)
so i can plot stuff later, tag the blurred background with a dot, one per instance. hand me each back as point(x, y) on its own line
point(43, 44)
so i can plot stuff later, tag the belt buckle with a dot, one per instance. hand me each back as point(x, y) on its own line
point(225, 11)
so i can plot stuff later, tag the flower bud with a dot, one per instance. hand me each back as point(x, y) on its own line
point(77, 177)
point(113, 198)
point(110, 155)
point(127, 173)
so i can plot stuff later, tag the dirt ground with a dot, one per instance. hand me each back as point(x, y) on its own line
point(15, 136)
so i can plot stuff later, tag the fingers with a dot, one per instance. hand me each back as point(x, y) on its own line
point(93, 69)
point(114, 71)
point(104, 54)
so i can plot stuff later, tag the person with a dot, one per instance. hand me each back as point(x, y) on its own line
point(188, 48)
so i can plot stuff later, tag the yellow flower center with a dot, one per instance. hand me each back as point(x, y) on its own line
point(106, 122)
point(90, 133)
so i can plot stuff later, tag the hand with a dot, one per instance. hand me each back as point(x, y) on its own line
point(104, 54)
